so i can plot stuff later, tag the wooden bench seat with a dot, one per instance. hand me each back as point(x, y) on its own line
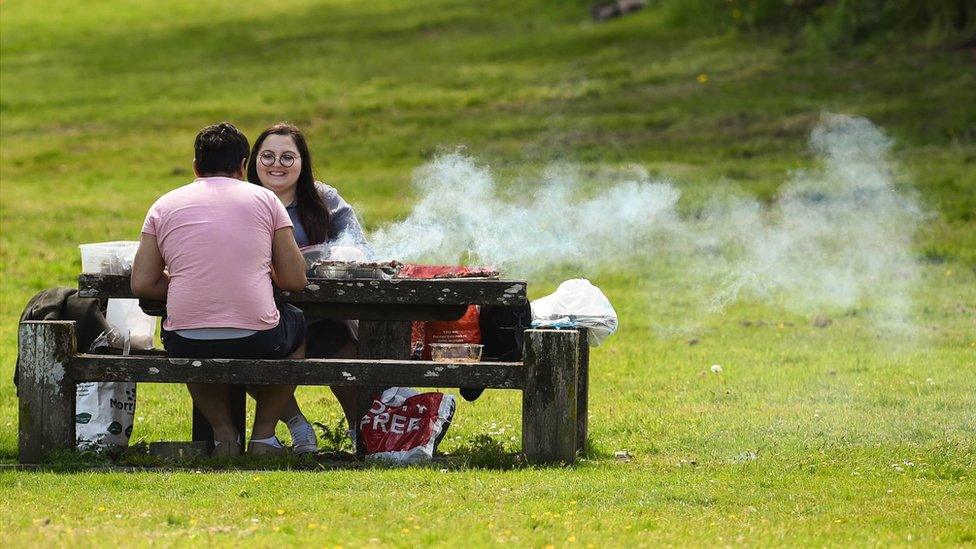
point(552, 378)
point(308, 371)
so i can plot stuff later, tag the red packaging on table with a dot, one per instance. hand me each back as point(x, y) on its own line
point(466, 329)
point(408, 270)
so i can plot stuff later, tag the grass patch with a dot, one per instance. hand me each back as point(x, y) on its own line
point(809, 435)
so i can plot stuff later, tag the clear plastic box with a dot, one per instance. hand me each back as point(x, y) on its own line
point(455, 352)
point(108, 257)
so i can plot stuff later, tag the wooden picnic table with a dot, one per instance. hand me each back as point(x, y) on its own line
point(552, 376)
point(384, 308)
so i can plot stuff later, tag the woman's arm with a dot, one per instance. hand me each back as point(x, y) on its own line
point(343, 223)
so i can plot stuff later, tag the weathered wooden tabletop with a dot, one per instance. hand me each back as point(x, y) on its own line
point(397, 299)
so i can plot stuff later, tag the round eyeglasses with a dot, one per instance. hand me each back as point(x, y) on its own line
point(268, 158)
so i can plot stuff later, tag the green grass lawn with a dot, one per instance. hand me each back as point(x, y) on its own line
point(842, 435)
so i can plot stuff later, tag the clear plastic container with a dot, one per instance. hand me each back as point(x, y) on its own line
point(455, 352)
point(346, 271)
point(108, 257)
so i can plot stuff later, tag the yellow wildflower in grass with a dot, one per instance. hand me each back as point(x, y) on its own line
point(571, 539)
point(702, 78)
point(405, 531)
point(312, 526)
point(280, 512)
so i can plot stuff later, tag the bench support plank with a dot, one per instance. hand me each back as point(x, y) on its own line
point(47, 393)
point(549, 397)
point(309, 371)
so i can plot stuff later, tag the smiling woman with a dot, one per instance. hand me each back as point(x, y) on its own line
point(280, 161)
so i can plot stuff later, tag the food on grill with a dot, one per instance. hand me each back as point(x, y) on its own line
point(343, 270)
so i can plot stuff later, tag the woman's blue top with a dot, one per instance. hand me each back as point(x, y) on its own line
point(343, 224)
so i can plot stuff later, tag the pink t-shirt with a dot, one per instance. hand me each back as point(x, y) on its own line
point(215, 237)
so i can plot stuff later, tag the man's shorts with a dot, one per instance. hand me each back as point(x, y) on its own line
point(278, 342)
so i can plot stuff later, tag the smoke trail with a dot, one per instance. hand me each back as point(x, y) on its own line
point(837, 236)
point(459, 214)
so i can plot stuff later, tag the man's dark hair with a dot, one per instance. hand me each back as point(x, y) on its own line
point(219, 148)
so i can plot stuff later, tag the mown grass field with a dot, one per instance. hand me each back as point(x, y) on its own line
point(841, 435)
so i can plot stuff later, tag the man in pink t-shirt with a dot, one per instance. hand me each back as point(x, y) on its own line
point(212, 250)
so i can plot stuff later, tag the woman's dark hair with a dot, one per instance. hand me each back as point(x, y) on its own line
point(312, 211)
point(219, 149)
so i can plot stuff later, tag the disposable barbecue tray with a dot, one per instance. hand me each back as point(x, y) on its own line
point(343, 270)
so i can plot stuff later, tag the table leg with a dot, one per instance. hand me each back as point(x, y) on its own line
point(389, 339)
point(549, 403)
point(238, 410)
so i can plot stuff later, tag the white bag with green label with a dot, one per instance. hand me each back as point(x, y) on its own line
point(104, 414)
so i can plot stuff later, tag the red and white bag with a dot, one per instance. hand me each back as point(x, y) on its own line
point(404, 426)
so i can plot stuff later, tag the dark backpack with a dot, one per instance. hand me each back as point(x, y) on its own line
point(503, 331)
point(502, 334)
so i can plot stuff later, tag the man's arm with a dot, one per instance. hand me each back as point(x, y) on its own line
point(288, 265)
point(148, 280)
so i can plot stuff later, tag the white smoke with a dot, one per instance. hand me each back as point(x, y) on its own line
point(460, 215)
point(838, 236)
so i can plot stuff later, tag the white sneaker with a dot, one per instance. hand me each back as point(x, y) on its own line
point(303, 439)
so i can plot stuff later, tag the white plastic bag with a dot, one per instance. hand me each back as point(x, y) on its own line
point(104, 410)
point(103, 414)
point(126, 316)
point(576, 302)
